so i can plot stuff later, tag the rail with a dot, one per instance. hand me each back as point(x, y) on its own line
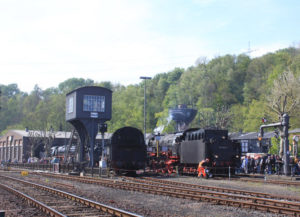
point(268, 205)
point(48, 210)
point(87, 202)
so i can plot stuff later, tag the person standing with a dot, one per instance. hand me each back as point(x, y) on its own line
point(262, 165)
point(245, 165)
point(257, 164)
point(201, 167)
point(278, 165)
point(269, 165)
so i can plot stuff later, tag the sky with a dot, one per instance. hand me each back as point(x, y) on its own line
point(47, 42)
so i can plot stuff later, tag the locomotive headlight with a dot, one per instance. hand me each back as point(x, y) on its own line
point(216, 156)
point(237, 156)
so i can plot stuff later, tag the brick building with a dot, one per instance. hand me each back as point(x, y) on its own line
point(15, 145)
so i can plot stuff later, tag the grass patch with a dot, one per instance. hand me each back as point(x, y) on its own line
point(294, 189)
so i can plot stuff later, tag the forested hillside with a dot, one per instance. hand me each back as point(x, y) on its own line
point(232, 92)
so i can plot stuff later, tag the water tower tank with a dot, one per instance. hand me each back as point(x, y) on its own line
point(183, 116)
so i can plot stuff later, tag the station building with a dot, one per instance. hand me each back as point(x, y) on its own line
point(250, 143)
point(15, 145)
point(11, 146)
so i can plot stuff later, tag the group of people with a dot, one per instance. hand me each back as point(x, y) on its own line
point(270, 164)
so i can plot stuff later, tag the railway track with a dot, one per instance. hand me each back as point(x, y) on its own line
point(245, 179)
point(155, 181)
point(269, 181)
point(58, 203)
point(13, 206)
point(231, 198)
point(260, 179)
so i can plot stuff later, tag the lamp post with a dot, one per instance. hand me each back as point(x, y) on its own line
point(145, 103)
point(0, 98)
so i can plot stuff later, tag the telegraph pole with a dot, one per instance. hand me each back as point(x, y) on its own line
point(0, 98)
point(145, 103)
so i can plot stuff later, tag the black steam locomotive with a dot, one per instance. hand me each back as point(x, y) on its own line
point(187, 149)
point(128, 151)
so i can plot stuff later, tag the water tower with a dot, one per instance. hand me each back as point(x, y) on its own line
point(87, 109)
point(183, 116)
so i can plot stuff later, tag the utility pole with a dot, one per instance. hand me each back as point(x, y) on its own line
point(0, 98)
point(145, 104)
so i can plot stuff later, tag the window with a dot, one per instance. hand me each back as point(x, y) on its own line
point(244, 145)
point(94, 103)
point(70, 106)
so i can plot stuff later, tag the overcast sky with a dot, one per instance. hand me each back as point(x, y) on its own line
point(45, 42)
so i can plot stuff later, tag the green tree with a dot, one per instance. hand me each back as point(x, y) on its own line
point(74, 83)
point(253, 116)
point(274, 149)
point(238, 112)
point(284, 98)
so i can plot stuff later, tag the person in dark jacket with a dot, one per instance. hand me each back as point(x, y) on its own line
point(252, 165)
point(262, 164)
point(273, 160)
point(268, 165)
point(257, 165)
point(278, 165)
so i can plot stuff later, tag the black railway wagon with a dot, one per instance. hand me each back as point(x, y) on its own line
point(128, 151)
point(199, 144)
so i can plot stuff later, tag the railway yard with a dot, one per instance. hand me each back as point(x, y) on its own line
point(66, 195)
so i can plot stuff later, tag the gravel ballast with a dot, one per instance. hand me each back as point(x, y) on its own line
point(156, 205)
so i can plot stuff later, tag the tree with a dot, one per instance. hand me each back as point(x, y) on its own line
point(34, 141)
point(205, 118)
point(254, 81)
point(11, 106)
point(275, 144)
point(238, 111)
point(223, 117)
point(74, 83)
point(284, 98)
point(253, 115)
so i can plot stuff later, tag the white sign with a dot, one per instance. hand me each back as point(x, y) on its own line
point(94, 114)
point(102, 164)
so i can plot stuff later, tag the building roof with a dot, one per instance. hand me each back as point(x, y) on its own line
point(251, 135)
point(57, 134)
point(297, 130)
